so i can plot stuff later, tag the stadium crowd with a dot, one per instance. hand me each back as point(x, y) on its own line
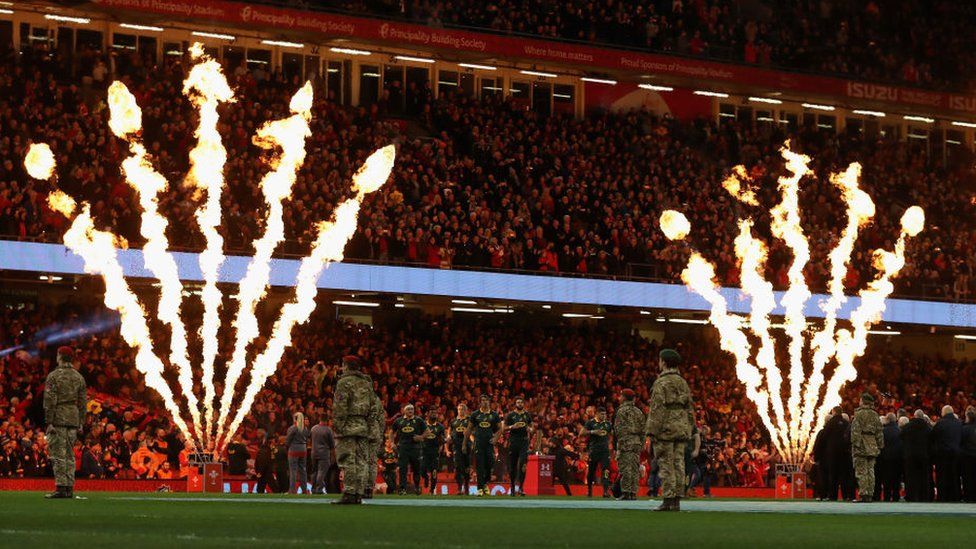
point(921, 43)
point(476, 189)
point(564, 371)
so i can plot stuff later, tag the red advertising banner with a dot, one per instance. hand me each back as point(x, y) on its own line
point(407, 34)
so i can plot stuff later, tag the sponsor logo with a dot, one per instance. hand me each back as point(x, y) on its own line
point(407, 429)
point(384, 30)
point(484, 425)
point(246, 14)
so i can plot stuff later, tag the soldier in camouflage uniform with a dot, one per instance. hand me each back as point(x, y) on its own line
point(867, 440)
point(377, 428)
point(65, 401)
point(628, 427)
point(669, 423)
point(355, 404)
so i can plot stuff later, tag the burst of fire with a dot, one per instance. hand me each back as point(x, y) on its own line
point(210, 427)
point(791, 423)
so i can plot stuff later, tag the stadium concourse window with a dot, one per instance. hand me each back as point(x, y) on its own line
point(521, 93)
point(449, 82)
point(312, 69)
point(333, 82)
point(827, 122)
point(564, 99)
point(292, 66)
point(259, 63)
point(89, 45)
point(6, 36)
point(726, 112)
point(417, 90)
point(542, 98)
point(790, 119)
point(393, 86)
point(233, 58)
point(491, 87)
point(369, 84)
point(764, 118)
point(174, 49)
point(744, 114)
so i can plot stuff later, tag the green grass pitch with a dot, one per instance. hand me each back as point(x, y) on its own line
point(138, 521)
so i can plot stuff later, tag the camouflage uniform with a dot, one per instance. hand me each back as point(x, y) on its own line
point(377, 427)
point(669, 421)
point(355, 403)
point(867, 440)
point(629, 428)
point(65, 402)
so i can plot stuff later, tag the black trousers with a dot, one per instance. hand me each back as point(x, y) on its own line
point(518, 458)
point(430, 464)
point(888, 479)
point(947, 477)
point(408, 458)
point(266, 480)
point(967, 464)
point(918, 474)
point(840, 477)
point(562, 477)
point(390, 478)
point(462, 469)
point(599, 459)
point(484, 460)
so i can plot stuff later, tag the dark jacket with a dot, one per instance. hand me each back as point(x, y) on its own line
point(892, 450)
point(968, 445)
point(561, 465)
point(947, 436)
point(837, 438)
point(915, 439)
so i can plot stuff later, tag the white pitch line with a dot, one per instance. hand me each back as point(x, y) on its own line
point(698, 505)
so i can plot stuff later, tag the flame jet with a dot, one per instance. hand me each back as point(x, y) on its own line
point(125, 122)
point(329, 244)
point(792, 424)
point(290, 135)
point(98, 251)
point(207, 88)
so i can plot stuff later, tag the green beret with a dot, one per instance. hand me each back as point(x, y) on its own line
point(866, 397)
point(670, 356)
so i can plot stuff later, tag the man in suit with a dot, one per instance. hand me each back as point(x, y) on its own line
point(915, 446)
point(967, 460)
point(890, 462)
point(946, 440)
point(837, 452)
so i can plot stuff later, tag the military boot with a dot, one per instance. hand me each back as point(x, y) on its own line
point(70, 491)
point(60, 492)
point(346, 499)
point(675, 504)
point(667, 505)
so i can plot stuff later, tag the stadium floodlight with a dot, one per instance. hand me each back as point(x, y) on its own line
point(50, 278)
point(924, 119)
point(599, 80)
point(884, 332)
point(464, 302)
point(648, 313)
point(414, 59)
point(283, 44)
point(540, 74)
point(964, 124)
point(576, 315)
point(965, 337)
point(547, 307)
point(6, 12)
point(216, 35)
point(655, 87)
point(350, 51)
point(67, 19)
point(687, 321)
point(474, 310)
point(355, 303)
point(478, 67)
point(148, 28)
point(818, 107)
point(707, 93)
point(876, 114)
point(765, 100)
